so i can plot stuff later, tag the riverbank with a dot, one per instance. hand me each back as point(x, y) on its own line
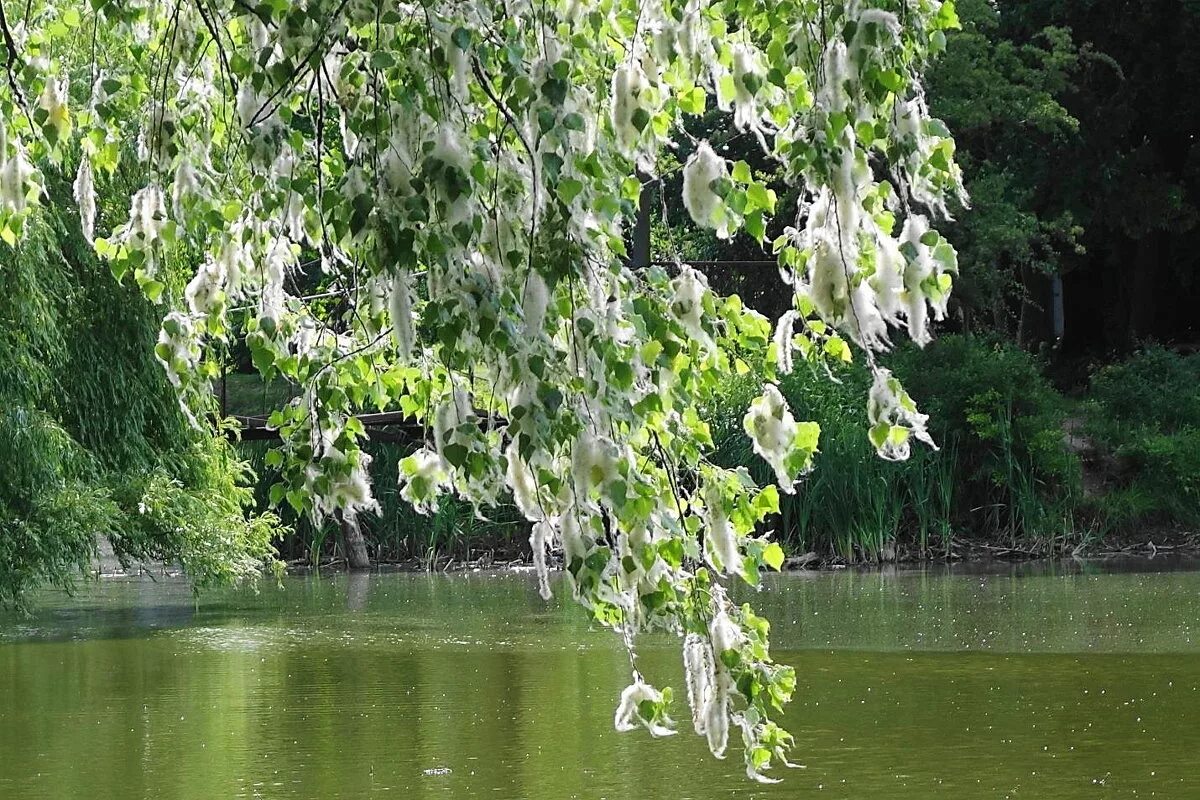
point(1163, 543)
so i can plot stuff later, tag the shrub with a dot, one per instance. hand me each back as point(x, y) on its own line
point(1146, 413)
point(1002, 467)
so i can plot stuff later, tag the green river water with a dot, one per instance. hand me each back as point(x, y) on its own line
point(1042, 681)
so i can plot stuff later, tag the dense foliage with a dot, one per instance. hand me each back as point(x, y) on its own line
point(1002, 472)
point(459, 175)
point(92, 441)
point(1143, 411)
point(1080, 154)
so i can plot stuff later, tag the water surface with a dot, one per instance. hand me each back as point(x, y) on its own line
point(1045, 681)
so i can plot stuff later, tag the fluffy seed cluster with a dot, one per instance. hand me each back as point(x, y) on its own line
point(703, 171)
point(773, 431)
point(894, 418)
point(85, 197)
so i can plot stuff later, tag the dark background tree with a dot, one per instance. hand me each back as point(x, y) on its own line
point(1077, 135)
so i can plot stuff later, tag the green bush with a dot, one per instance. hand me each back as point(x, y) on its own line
point(1155, 390)
point(1002, 468)
point(1146, 413)
point(990, 404)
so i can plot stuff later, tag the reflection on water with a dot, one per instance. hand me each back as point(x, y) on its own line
point(1048, 681)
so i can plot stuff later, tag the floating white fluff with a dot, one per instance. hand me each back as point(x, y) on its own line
point(687, 305)
point(921, 267)
point(147, 216)
point(539, 542)
point(747, 73)
point(523, 486)
point(888, 404)
point(205, 289)
point(593, 463)
point(832, 95)
point(53, 101)
point(628, 85)
point(15, 173)
point(534, 301)
point(422, 476)
point(785, 332)
point(573, 543)
point(186, 182)
point(248, 103)
point(724, 635)
point(888, 279)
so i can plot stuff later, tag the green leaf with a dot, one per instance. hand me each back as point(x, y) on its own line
point(759, 196)
point(773, 556)
point(455, 453)
point(693, 100)
point(382, 59)
point(891, 80)
point(947, 17)
point(879, 434)
point(641, 118)
point(569, 189)
point(461, 38)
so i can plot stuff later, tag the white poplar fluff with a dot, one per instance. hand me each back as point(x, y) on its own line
point(629, 715)
point(772, 430)
point(687, 305)
point(704, 205)
point(700, 675)
point(724, 635)
point(785, 332)
point(53, 101)
point(524, 488)
point(534, 302)
point(206, 290)
point(147, 216)
point(721, 541)
point(540, 541)
point(469, 177)
point(628, 86)
point(893, 413)
point(749, 79)
point(400, 310)
point(85, 197)
point(423, 477)
point(15, 175)
point(186, 184)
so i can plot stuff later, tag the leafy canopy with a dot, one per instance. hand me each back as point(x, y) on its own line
point(460, 175)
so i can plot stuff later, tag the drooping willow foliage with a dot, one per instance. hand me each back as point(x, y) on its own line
point(463, 175)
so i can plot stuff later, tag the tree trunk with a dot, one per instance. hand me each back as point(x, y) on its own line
point(355, 544)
